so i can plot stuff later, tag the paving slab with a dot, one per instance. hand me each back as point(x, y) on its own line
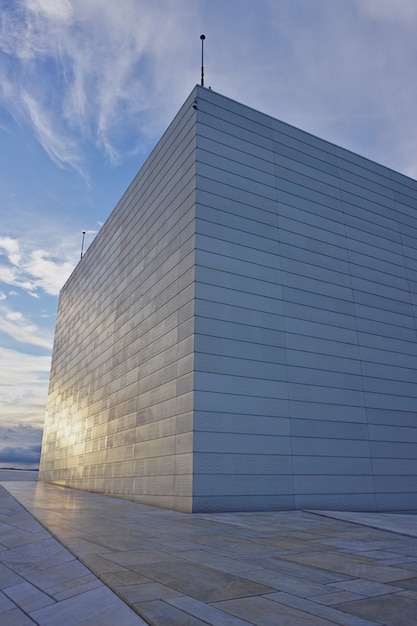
point(222, 569)
point(42, 583)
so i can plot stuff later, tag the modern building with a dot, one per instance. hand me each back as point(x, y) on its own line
point(242, 333)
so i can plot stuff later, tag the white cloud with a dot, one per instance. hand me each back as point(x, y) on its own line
point(34, 270)
point(11, 248)
point(19, 328)
point(23, 394)
point(60, 148)
point(102, 58)
point(50, 274)
point(14, 315)
point(114, 73)
point(60, 10)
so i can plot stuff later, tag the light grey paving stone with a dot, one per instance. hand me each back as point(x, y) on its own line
point(405, 524)
point(232, 545)
point(13, 537)
point(58, 576)
point(284, 582)
point(203, 583)
point(100, 606)
point(383, 555)
point(37, 555)
point(205, 557)
point(5, 603)
point(365, 588)
point(27, 597)
point(331, 599)
point(126, 577)
point(410, 583)
point(122, 543)
point(16, 617)
point(299, 570)
point(206, 612)
point(100, 565)
point(74, 587)
point(264, 612)
point(80, 546)
point(407, 561)
point(351, 565)
point(319, 611)
point(393, 610)
point(408, 594)
point(160, 613)
point(138, 559)
point(355, 546)
point(8, 577)
point(146, 591)
point(257, 540)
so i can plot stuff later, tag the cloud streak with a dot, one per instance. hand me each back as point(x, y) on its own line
point(15, 325)
point(32, 270)
point(114, 73)
point(22, 406)
point(100, 59)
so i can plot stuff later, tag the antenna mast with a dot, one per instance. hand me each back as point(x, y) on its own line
point(202, 37)
point(82, 244)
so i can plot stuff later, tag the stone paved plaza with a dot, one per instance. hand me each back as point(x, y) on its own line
point(72, 557)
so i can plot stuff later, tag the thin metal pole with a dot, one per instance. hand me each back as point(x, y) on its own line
point(202, 37)
point(82, 244)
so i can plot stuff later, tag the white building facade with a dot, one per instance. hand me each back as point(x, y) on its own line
point(242, 333)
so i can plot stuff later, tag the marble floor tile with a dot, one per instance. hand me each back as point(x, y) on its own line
point(410, 583)
point(332, 599)
point(204, 583)
point(5, 604)
point(126, 577)
point(28, 597)
point(351, 565)
point(159, 613)
point(284, 582)
point(16, 617)
point(100, 565)
point(365, 588)
point(391, 610)
point(318, 611)
point(207, 612)
point(405, 524)
point(217, 561)
point(99, 606)
point(8, 577)
point(262, 611)
point(289, 567)
point(73, 587)
point(299, 570)
point(146, 591)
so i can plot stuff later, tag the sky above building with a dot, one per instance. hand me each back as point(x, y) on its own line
point(87, 87)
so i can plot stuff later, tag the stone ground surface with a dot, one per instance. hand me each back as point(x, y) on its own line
point(70, 557)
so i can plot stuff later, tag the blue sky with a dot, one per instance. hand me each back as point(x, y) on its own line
point(87, 87)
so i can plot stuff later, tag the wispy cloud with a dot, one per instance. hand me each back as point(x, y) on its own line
point(32, 270)
point(101, 60)
point(19, 328)
point(22, 406)
point(114, 72)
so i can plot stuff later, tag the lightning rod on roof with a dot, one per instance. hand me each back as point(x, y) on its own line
point(202, 37)
point(82, 244)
